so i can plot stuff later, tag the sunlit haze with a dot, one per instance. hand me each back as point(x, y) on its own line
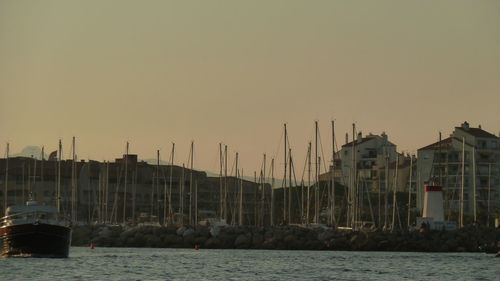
point(157, 72)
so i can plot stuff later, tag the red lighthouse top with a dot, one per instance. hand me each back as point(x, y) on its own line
point(432, 188)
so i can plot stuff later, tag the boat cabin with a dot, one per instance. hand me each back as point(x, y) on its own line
point(32, 212)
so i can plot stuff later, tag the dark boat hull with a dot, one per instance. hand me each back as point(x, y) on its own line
point(36, 240)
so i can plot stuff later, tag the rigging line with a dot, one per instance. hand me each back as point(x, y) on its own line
point(189, 156)
point(325, 190)
point(163, 168)
point(295, 179)
point(216, 162)
point(115, 200)
point(305, 166)
point(261, 168)
point(453, 193)
point(232, 203)
point(321, 149)
point(276, 153)
point(232, 167)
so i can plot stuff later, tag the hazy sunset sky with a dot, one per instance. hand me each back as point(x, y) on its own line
point(157, 72)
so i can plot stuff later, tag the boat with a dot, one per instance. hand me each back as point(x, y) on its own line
point(34, 230)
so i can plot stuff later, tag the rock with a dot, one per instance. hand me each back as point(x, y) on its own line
point(215, 230)
point(180, 230)
point(269, 244)
point(189, 241)
point(203, 232)
point(172, 240)
point(188, 232)
point(290, 242)
point(104, 232)
point(200, 240)
point(257, 240)
point(212, 243)
point(326, 235)
point(243, 241)
point(152, 241)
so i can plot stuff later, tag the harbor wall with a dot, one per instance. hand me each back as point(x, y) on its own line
point(468, 239)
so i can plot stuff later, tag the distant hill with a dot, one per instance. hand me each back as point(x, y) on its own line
point(153, 161)
point(31, 151)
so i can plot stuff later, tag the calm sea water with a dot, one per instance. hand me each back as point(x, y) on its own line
point(189, 264)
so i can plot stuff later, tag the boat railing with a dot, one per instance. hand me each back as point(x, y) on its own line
point(34, 217)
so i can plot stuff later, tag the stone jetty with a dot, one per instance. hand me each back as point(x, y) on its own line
point(468, 239)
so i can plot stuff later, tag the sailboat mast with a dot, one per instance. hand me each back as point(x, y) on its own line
point(284, 177)
point(41, 166)
point(354, 197)
point(196, 203)
point(221, 199)
point(191, 185)
point(153, 184)
point(308, 204)
point(255, 216)
point(164, 198)
point(332, 214)
point(5, 192)
point(409, 191)
point(272, 193)
point(181, 194)
point(90, 189)
point(233, 217)
point(316, 176)
point(386, 192)
point(236, 171)
point(225, 183)
point(263, 198)
point(134, 179)
point(106, 193)
point(23, 182)
point(241, 200)
point(34, 179)
point(29, 180)
point(462, 185)
point(489, 195)
point(157, 182)
point(125, 186)
point(394, 202)
point(73, 184)
point(474, 182)
point(170, 209)
point(290, 185)
point(99, 195)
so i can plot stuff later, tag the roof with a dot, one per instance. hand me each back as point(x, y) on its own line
point(405, 163)
point(30, 208)
point(477, 132)
point(437, 145)
point(363, 140)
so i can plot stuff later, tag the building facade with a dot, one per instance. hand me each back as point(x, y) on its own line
point(130, 191)
point(468, 158)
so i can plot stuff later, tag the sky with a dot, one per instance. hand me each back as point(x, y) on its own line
point(157, 72)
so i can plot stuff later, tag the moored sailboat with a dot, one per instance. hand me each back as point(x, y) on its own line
point(35, 229)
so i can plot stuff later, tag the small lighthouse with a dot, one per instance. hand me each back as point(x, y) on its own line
point(433, 203)
point(433, 213)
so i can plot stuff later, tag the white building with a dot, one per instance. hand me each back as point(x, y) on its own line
point(371, 151)
point(441, 163)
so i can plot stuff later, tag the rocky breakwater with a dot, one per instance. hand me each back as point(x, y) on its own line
point(469, 239)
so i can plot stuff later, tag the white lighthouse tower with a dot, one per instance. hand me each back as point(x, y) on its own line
point(433, 213)
point(433, 203)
